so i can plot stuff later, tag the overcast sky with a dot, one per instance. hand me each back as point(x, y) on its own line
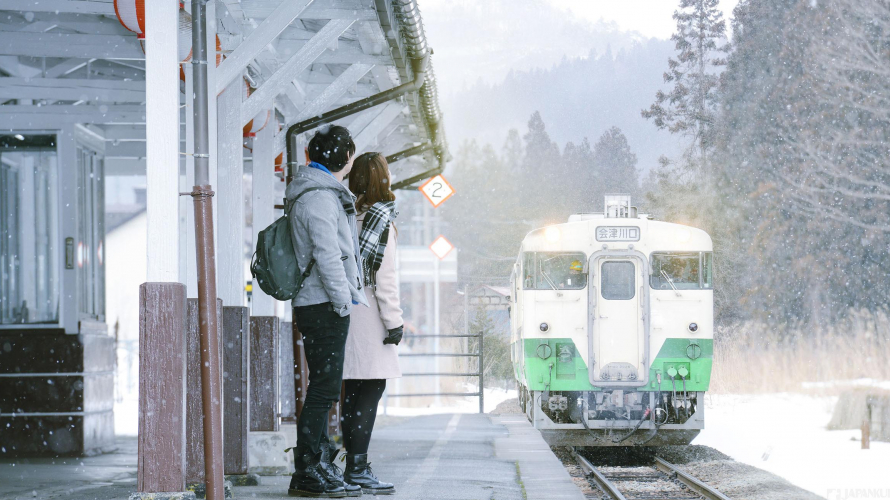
point(649, 17)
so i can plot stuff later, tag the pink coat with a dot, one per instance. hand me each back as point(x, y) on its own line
point(366, 355)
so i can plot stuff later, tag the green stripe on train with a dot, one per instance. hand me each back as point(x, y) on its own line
point(569, 367)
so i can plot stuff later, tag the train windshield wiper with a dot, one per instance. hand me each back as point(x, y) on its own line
point(670, 282)
point(549, 281)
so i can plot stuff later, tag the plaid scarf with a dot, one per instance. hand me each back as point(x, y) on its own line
point(373, 237)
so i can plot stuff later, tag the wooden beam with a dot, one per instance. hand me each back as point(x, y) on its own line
point(333, 92)
point(23, 116)
point(287, 73)
point(70, 45)
point(268, 30)
point(60, 6)
point(66, 67)
point(368, 136)
point(73, 89)
point(262, 11)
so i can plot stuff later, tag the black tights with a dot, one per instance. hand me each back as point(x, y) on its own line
point(360, 398)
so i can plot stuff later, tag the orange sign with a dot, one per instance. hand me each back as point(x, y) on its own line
point(441, 247)
point(437, 190)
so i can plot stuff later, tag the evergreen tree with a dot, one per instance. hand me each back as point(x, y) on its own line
point(689, 108)
point(542, 175)
point(616, 164)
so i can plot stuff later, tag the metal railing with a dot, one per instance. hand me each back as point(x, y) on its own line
point(480, 373)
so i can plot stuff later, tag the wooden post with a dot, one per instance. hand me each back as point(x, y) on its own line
point(287, 394)
point(866, 425)
point(236, 355)
point(162, 377)
point(194, 471)
point(264, 373)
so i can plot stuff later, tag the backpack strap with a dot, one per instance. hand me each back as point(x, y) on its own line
point(308, 190)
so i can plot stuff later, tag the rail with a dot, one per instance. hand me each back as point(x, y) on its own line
point(672, 471)
point(480, 373)
point(691, 482)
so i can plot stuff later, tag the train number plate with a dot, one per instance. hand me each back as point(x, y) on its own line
point(617, 233)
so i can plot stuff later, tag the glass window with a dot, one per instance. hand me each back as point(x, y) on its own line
point(90, 258)
point(554, 271)
point(619, 280)
point(29, 241)
point(683, 270)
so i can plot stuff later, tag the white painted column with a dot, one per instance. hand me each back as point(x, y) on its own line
point(162, 140)
point(263, 203)
point(190, 254)
point(230, 196)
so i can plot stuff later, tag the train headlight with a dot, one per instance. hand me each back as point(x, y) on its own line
point(552, 234)
point(545, 327)
point(693, 327)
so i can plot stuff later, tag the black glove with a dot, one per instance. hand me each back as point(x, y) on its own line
point(394, 336)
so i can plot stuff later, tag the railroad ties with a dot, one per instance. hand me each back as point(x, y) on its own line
point(659, 480)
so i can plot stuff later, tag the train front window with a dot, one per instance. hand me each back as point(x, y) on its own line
point(681, 271)
point(553, 271)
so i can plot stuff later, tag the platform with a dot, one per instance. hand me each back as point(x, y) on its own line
point(446, 456)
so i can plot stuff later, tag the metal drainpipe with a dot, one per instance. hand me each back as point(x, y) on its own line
point(211, 393)
point(419, 66)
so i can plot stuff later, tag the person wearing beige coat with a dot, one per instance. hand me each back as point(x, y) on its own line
point(371, 356)
point(367, 357)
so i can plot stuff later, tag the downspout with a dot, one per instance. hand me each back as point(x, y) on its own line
point(418, 65)
point(211, 390)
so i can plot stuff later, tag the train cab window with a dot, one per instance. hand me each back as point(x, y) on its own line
point(553, 271)
point(681, 270)
point(619, 280)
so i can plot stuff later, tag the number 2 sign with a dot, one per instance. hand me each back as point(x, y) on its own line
point(437, 190)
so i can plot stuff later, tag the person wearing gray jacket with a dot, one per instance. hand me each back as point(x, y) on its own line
point(322, 220)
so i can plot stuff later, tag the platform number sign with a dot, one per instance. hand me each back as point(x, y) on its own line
point(441, 247)
point(437, 190)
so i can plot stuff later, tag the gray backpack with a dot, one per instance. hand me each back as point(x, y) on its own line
point(274, 264)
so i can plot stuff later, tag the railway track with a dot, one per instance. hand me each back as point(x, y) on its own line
point(659, 481)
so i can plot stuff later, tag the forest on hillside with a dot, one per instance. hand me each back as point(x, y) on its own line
point(780, 145)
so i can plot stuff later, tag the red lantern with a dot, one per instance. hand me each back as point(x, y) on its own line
point(131, 14)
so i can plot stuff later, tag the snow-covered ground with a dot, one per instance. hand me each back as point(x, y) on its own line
point(786, 434)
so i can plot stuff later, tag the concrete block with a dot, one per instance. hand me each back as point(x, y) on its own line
point(266, 451)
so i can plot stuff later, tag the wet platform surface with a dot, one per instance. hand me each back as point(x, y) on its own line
point(447, 456)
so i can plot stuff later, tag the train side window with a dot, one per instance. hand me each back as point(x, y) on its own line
point(683, 270)
point(619, 280)
point(707, 270)
point(554, 271)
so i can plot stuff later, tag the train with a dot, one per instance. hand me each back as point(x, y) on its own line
point(612, 328)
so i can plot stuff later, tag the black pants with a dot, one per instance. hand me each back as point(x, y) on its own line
point(324, 340)
point(359, 412)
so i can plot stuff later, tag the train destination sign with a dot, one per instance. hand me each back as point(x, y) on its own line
point(617, 233)
point(437, 190)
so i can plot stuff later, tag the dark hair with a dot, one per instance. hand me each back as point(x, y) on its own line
point(369, 180)
point(332, 147)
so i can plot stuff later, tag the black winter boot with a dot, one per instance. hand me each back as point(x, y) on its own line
point(310, 481)
point(333, 473)
point(358, 472)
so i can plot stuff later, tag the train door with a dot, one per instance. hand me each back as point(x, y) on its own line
point(618, 347)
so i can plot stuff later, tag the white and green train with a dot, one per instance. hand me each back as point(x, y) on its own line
point(612, 328)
